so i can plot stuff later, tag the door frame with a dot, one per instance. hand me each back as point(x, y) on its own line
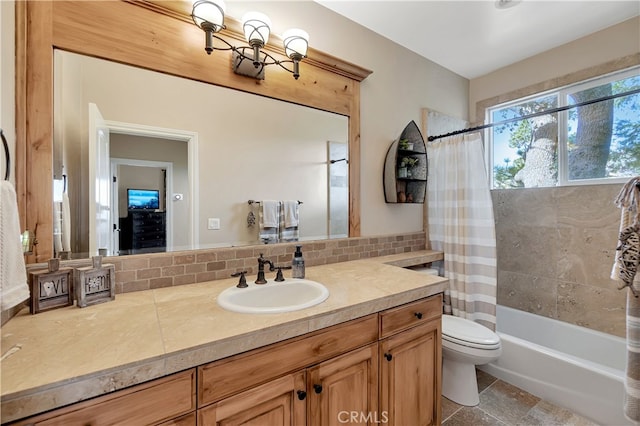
point(191, 139)
point(168, 191)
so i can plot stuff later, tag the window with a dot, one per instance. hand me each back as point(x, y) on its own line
point(594, 143)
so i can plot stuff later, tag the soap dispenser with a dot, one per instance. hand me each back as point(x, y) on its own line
point(297, 264)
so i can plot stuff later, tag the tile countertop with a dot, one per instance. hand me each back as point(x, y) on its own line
point(67, 355)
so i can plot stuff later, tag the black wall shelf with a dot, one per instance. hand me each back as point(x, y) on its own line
point(406, 168)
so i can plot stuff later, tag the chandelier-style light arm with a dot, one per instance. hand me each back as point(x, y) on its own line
point(208, 15)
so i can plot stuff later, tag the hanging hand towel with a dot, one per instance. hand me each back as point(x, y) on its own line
point(269, 221)
point(57, 227)
point(13, 275)
point(290, 213)
point(626, 259)
point(270, 213)
point(66, 223)
point(624, 271)
point(288, 233)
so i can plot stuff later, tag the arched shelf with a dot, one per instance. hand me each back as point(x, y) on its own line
point(405, 168)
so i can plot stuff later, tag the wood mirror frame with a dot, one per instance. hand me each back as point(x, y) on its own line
point(158, 36)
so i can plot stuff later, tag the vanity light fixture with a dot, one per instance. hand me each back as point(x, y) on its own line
point(208, 15)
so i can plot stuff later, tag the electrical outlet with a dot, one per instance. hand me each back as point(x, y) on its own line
point(213, 223)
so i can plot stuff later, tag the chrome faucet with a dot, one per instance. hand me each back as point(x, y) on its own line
point(261, 262)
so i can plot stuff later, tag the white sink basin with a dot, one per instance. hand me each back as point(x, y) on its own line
point(273, 297)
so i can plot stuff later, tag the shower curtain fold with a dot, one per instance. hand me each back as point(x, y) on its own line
point(461, 224)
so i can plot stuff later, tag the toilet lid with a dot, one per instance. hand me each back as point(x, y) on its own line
point(468, 333)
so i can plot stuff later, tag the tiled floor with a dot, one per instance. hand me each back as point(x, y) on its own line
point(506, 405)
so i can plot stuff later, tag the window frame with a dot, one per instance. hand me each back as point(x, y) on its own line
point(561, 94)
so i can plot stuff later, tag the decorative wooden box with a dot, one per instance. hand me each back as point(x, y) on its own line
point(95, 284)
point(51, 288)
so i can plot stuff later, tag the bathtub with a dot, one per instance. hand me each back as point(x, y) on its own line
point(571, 366)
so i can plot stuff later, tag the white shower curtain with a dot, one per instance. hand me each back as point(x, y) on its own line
point(461, 225)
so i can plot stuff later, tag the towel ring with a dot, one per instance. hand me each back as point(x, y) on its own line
point(6, 153)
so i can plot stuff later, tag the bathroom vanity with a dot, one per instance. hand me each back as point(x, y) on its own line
point(370, 353)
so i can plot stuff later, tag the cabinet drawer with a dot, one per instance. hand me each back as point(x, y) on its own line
point(409, 315)
point(149, 403)
point(232, 375)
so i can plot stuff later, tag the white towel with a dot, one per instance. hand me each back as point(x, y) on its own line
point(270, 213)
point(66, 223)
point(13, 275)
point(290, 213)
point(57, 227)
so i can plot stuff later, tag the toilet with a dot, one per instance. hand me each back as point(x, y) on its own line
point(465, 344)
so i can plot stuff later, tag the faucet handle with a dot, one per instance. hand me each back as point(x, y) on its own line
point(242, 282)
point(279, 276)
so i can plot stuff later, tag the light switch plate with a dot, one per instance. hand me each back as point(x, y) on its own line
point(213, 223)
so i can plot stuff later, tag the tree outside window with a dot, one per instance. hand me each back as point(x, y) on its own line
point(594, 143)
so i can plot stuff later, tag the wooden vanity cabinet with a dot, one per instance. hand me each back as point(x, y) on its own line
point(344, 388)
point(380, 369)
point(278, 402)
point(167, 401)
point(383, 368)
point(411, 363)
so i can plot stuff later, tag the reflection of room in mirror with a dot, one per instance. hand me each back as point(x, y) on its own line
point(338, 189)
point(247, 147)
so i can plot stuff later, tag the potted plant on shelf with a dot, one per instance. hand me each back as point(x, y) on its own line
point(405, 145)
point(406, 163)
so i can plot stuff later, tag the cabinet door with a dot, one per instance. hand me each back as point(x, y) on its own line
point(281, 402)
point(410, 374)
point(345, 389)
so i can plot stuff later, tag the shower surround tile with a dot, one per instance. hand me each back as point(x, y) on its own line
point(555, 250)
point(593, 307)
point(528, 249)
point(528, 293)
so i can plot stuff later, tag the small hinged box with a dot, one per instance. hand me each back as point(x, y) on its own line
point(51, 288)
point(95, 284)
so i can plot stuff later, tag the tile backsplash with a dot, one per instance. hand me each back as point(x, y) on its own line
point(149, 271)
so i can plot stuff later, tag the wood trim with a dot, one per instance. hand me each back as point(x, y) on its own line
point(354, 165)
point(21, 113)
point(140, 34)
point(38, 118)
point(182, 11)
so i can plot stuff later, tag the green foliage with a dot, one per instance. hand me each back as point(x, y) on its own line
point(503, 176)
point(623, 142)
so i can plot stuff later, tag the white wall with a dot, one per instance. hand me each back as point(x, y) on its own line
point(598, 48)
point(401, 85)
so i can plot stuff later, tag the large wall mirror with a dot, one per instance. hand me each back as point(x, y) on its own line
point(236, 130)
point(174, 154)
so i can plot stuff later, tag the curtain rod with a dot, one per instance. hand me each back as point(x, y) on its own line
point(535, 114)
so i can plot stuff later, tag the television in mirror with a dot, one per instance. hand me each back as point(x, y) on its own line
point(143, 199)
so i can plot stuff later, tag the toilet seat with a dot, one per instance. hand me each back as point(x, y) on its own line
point(465, 332)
